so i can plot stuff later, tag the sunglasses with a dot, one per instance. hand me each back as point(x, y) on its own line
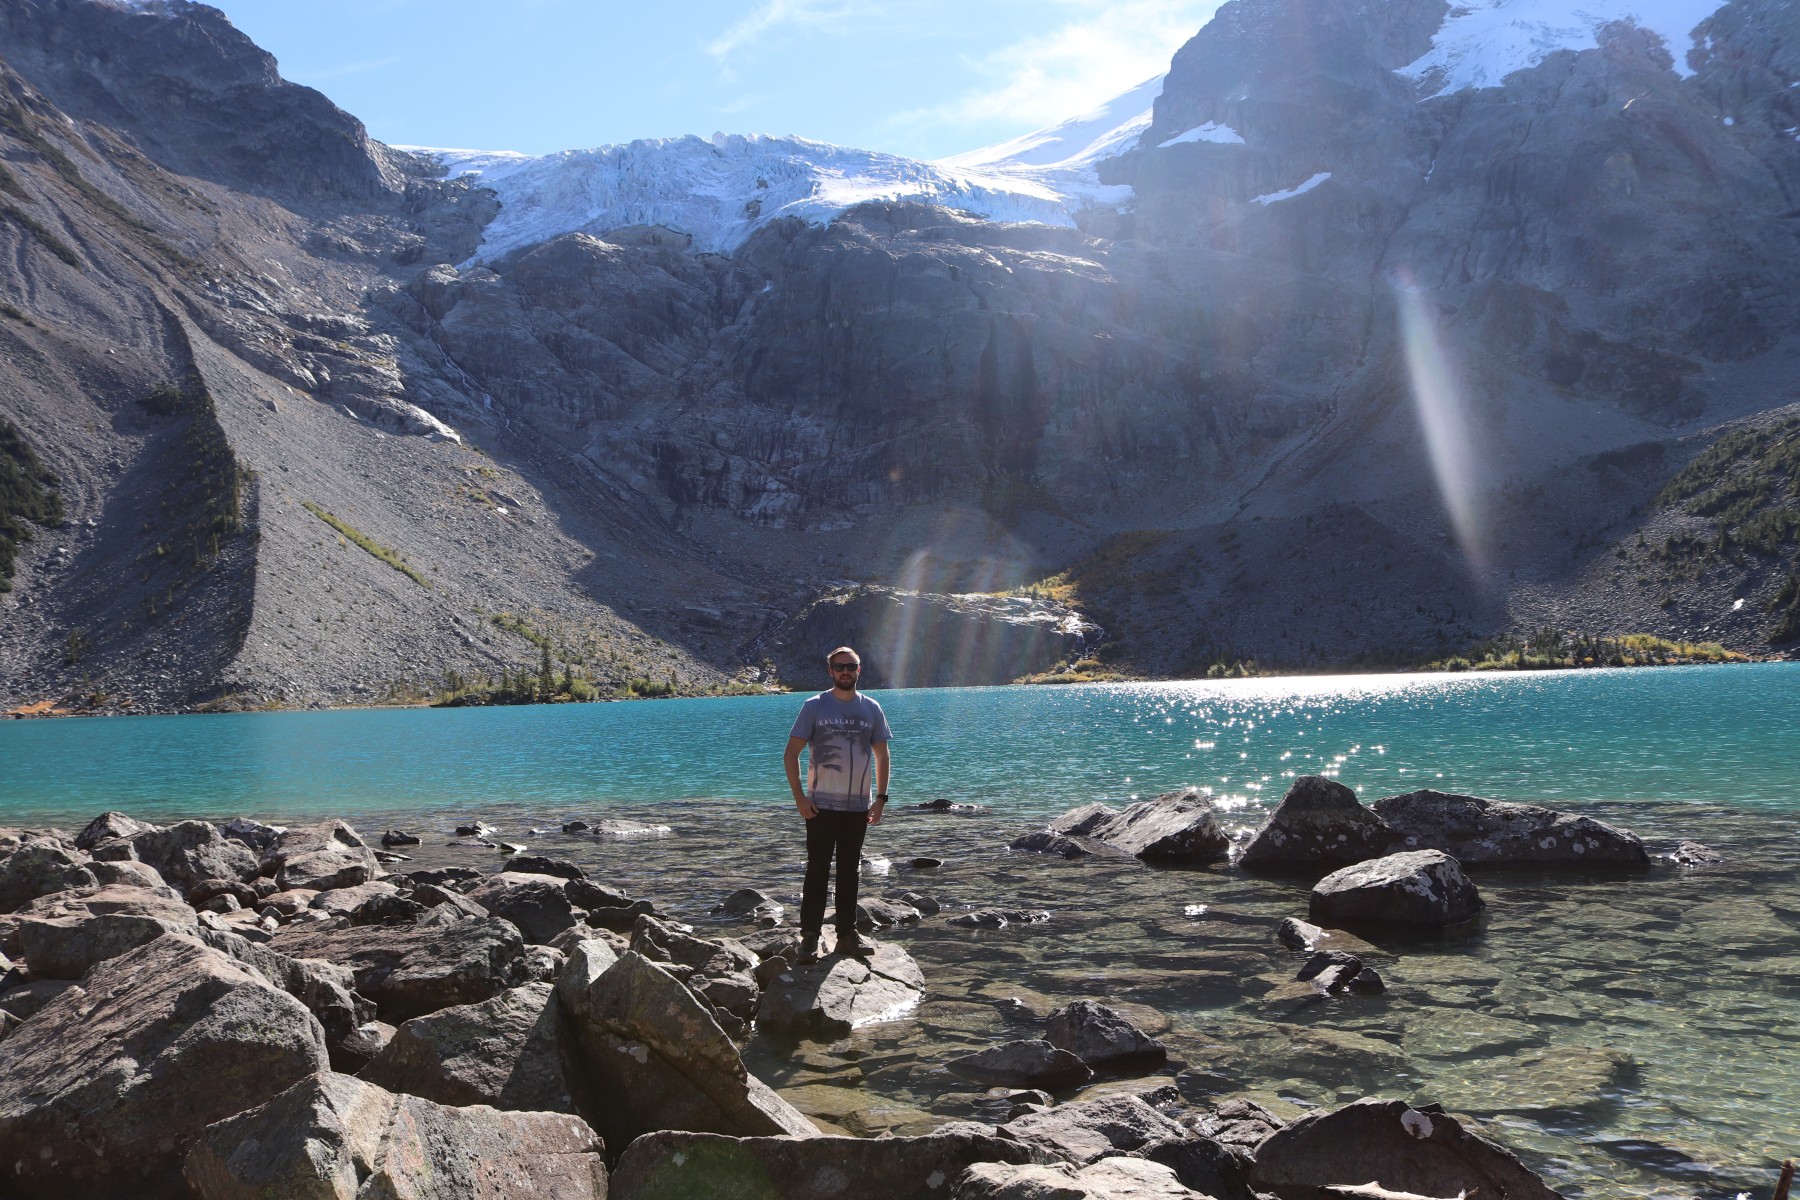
point(846, 666)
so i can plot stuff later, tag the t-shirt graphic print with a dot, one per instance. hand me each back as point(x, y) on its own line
point(839, 736)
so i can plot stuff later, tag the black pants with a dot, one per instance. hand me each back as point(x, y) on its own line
point(832, 835)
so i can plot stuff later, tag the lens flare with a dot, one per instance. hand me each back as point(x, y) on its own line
point(1441, 405)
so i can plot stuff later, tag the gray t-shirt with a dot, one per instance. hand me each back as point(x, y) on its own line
point(839, 737)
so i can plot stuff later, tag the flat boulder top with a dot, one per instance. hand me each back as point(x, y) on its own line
point(410, 970)
point(1415, 887)
point(1482, 832)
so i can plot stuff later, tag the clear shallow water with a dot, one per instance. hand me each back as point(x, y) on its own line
point(1630, 1035)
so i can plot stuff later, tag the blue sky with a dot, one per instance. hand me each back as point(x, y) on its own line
point(923, 78)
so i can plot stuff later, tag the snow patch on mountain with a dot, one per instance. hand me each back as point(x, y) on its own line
point(1223, 135)
point(1269, 198)
point(1483, 42)
point(722, 189)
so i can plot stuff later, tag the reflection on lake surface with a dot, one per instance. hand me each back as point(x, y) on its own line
point(1630, 1035)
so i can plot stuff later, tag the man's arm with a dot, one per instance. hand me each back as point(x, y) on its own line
point(880, 752)
point(792, 761)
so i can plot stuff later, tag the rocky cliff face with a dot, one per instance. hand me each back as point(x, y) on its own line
point(1380, 372)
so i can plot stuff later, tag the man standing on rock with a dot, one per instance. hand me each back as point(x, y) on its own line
point(848, 736)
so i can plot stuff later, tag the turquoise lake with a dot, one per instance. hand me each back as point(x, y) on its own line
point(1725, 734)
point(1629, 1035)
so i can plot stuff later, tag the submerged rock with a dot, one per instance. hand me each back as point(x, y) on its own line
point(333, 1136)
point(1478, 832)
point(998, 918)
point(1418, 887)
point(1028, 1063)
point(1100, 1035)
point(1318, 823)
point(1424, 1152)
point(668, 1164)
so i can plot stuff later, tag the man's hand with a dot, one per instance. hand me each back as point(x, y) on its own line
point(806, 807)
point(875, 812)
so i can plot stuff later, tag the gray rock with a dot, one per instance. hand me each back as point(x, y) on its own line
point(39, 869)
point(342, 901)
point(538, 864)
point(111, 1082)
point(831, 997)
point(334, 1137)
point(1694, 854)
point(188, 853)
point(409, 971)
point(1178, 826)
point(254, 834)
point(1025, 1063)
point(1478, 832)
point(387, 908)
point(320, 857)
point(998, 918)
point(106, 826)
point(327, 989)
point(1421, 1151)
point(919, 900)
point(501, 1052)
point(651, 1056)
point(626, 831)
point(1110, 1179)
point(720, 971)
point(456, 879)
point(1318, 823)
point(879, 913)
point(537, 904)
point(65, 947)
point(1099, 1035)
point(364, 1043)
point(668, 1164)
point(1209, 1167)
point(399, 837)
point(1418, 887)
point(1087, 1130)
point(432, 896)
point(743, 902)
point(22, 1001)
point(1048, 841)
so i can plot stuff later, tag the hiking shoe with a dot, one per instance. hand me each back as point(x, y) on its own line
point(809, 948)
point(853, 945)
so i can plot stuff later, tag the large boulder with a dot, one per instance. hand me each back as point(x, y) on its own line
point(652, 1056)
point(109, 1084)
point(333, 1137)
point(410, 970)
point(40, 868)
point(1085, 1131)
point(189, 852)
point(831, 997)
point(63, 934)
point(500, 1052)
point(1178, 826)
point(1100, 1035)
point(106, 827)
point(1478, 832)
point(1319, 823)
point(721, 972)
point(1026, 1063)
point(1110, 1179)
point(537, 904)
point(1424, 1151)
point(320, 857)
point(661, 1166)
point(1418, 887)
point(327, 989)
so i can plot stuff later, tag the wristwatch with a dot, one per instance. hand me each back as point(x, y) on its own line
point(881, 797)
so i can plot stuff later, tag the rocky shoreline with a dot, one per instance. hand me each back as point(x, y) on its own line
point(244, 1010)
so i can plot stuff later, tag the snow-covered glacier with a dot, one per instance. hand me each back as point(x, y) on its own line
point(722, 189)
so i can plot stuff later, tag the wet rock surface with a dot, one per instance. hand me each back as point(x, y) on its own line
point(1026, 1062)
point(1418, 887)
point(1478, 832)
point(839, 992)
point(1318, 824)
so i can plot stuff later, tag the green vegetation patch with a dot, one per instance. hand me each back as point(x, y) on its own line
point(1748, 484)
point(1554, 649)
point(387, 555)
point(27, 497)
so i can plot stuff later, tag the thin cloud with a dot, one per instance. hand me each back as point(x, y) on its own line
point(355, 68)
point(779, 14)
point(1104, 49)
